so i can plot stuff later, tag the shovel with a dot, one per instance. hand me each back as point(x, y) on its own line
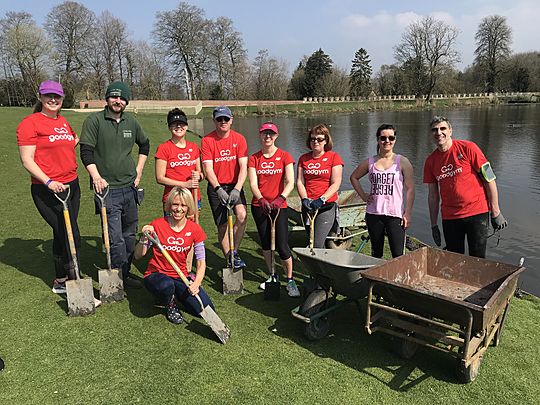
point(233, 279)
point(272, 287)
point(312, 230)
point(207, 313)
point(111, 286)
point(80, 293)
point(189, 258)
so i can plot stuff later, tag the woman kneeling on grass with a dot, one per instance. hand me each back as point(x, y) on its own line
point(176, 233)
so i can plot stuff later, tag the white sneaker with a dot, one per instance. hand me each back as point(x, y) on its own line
point(261, 286)
point(97, 302)
point(292, 289)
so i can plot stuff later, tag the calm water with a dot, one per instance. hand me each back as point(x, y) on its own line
point(506, 134)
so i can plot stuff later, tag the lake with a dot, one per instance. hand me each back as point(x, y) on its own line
point(506, 134)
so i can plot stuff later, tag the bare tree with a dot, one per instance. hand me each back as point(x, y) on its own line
point(113, 38)
point(70, 26)
point(336, 83)
point(427, 48)
point(493, 40)
point(183, 33)
point(270, 77)
point(149, 71)
point(24, 50)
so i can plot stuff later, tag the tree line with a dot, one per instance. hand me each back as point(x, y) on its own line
point(190, 56)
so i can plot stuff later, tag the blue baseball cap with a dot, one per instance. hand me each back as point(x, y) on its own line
point(222, 111)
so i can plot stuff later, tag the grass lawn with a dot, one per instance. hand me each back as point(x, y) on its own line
point(128, 353)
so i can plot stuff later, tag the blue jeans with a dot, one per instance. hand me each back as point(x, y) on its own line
point(122, 218)
point(164, 287)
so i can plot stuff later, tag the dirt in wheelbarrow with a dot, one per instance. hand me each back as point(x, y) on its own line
point(452, 289)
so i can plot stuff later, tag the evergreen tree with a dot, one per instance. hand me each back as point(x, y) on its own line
point(360, 75)
point(317, 67)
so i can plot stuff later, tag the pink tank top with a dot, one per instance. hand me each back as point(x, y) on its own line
point(386, 189)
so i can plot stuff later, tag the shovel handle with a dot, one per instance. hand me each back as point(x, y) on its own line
point(195, 195)
point(105, 223)
point(230, 230)
point(69, 231)
point(312, 228)
point(155, 240)
point(273, 241)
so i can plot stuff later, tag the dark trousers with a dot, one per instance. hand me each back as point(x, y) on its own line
point(378, 226)
point(122, 218)
point(475, 228)
point(325, 222)
point(164, 287)
point(282, 230)
point(52, 212)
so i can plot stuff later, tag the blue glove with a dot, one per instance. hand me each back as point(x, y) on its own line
point(316, 204)
point(306, 203)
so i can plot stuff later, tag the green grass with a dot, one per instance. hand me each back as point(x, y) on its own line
point(128, 353)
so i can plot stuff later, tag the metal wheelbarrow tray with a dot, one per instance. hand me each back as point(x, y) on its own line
point(334, 272)
point(446, 301)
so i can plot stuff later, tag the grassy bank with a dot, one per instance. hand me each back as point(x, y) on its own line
point(129, 353)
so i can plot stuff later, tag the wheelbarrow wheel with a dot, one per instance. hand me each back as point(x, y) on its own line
point(316, 302)
point(343, 244)
point(469, 374)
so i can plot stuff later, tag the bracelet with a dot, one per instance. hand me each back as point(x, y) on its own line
point(48, 182)
point(282, 196)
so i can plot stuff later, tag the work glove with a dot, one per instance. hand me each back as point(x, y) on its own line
point(265, 205)
point(223, 196)
point(278, 202)
point(234, 196)
point(499, 222)
point(316, 204)
point(436, 235)
point(306, 203)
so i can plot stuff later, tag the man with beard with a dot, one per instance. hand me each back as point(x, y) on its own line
point(107, 140)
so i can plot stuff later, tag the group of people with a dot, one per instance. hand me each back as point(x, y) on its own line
point(459, 177)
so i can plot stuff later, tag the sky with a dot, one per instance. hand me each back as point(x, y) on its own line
point(290, 29)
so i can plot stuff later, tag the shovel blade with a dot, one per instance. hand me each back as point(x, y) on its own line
point(213, 320)
point(111, 285)
point(272, 290)
point(233, 281)
point(80, 297)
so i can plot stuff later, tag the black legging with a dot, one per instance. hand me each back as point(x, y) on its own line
point(52, 212)
point(378, 226)
point(282, 230)
point(474, 227)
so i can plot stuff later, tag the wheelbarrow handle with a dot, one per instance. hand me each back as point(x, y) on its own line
point(152, 237)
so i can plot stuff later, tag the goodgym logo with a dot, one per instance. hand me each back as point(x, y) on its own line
point(447, 168)
point(184, 156)
point(313, 165)
point(268, 165)
point(62, 135)
point(176, 244)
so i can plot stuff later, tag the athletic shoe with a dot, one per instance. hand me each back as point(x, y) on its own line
point(292, 289)
point(59, 286)
point(238, 262)
point(97, 302)
point(262, 285)
point(173, 313)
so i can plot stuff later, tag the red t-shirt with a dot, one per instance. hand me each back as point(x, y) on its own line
point(180, 161)
point(318, 173)
point(460, 185)
point(178, 244)
point(54, 140)
point(224, 154)
point(270, 174)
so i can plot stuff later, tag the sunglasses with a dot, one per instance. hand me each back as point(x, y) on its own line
point(318, 140)
point(268, 134)
point(390, 138)
point(435, 130)
point(223, 119)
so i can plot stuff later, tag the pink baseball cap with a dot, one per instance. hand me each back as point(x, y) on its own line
point(51, 87)
point(269, 126)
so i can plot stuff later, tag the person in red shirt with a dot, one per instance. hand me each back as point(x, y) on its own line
point(271, 177)
point(178, 160)
point(319, 178)
point(225, 159)
point(177, 234)
point(47, 149)
point(460, 172)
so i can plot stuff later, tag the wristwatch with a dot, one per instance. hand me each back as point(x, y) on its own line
point(323, 198)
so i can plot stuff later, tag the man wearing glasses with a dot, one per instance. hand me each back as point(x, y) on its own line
point(225, 159)
point(460, 179)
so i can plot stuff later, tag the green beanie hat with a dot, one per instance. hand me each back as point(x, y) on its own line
point(118, 89)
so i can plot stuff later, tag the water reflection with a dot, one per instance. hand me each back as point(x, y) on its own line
point(506, 134)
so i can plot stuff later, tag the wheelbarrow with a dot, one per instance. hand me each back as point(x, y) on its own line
point(351, 219)
point(446, 301)
point(333, 272)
